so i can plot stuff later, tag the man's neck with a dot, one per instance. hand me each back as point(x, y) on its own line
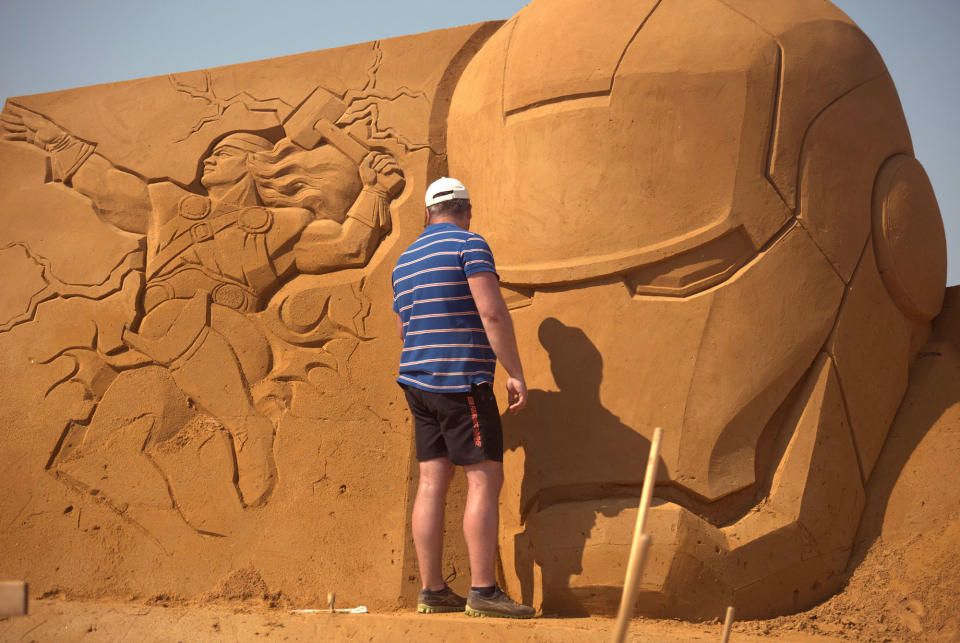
point(457, 221)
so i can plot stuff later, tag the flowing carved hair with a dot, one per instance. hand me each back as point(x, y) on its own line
point(322, 180)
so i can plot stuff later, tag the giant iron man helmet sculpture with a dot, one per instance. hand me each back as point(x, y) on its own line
point(707, 217)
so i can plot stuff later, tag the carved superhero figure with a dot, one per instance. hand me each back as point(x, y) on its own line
point(711, 220)
point(270, 212)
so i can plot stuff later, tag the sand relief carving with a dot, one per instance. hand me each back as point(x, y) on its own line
point(193, 334)
point(663, 229)
point(707, 216)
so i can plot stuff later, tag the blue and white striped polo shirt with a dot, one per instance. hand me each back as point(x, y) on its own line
point(445, 349)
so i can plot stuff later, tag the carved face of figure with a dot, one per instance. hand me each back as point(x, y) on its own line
point(226, 165)
point(688, 240)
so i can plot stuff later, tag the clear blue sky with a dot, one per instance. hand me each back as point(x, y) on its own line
point(47, 45)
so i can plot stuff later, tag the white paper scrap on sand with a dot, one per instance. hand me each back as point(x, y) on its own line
point(353, 610)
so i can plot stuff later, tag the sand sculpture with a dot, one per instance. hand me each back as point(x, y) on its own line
point(707, 216)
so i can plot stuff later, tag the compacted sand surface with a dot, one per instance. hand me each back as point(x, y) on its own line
point(56, 619)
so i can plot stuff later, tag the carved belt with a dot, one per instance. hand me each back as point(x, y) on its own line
point(187, 281)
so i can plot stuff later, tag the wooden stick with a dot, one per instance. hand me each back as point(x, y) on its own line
point(649, 480)
point(641, 543)
point(727, 624)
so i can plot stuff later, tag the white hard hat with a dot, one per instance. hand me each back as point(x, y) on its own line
point(444, 189)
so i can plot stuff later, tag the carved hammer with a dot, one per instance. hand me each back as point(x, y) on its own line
point(314, 121)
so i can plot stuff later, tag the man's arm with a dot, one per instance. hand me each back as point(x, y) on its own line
point(399, 325)
point(499, 327)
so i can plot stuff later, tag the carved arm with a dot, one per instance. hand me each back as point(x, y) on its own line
point(325, 246)
point(119, 197)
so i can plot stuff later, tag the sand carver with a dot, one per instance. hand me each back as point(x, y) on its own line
point(269, 211)
point(455, 325)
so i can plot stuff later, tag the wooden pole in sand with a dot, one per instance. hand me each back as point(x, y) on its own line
point(641, 543)
point(727, 624)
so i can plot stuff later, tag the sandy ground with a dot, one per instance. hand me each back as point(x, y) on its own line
point(61, 620)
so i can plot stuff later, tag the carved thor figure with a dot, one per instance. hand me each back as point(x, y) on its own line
point(271, 211)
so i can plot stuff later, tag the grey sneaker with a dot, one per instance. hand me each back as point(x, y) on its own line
point(444, 600)
point(499, 605)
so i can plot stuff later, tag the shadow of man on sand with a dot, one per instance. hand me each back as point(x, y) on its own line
point(578, 461)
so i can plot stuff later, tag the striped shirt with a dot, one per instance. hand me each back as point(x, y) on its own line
point(445, 349)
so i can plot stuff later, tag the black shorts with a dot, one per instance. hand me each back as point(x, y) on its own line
point(462, 426)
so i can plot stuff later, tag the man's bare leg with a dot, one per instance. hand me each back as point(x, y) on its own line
point(428, 514)
point(481, 519)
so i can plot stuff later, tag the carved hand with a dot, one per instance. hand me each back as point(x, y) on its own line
point(374, 169)
point(381, 172)
point(22, 124)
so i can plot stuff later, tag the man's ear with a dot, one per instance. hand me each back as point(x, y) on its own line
point(426, 217)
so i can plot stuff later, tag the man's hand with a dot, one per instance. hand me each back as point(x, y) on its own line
point(516, 395)
point(21, 124)
point(495, 317)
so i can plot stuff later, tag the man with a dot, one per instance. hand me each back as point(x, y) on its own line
point(455, 325)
